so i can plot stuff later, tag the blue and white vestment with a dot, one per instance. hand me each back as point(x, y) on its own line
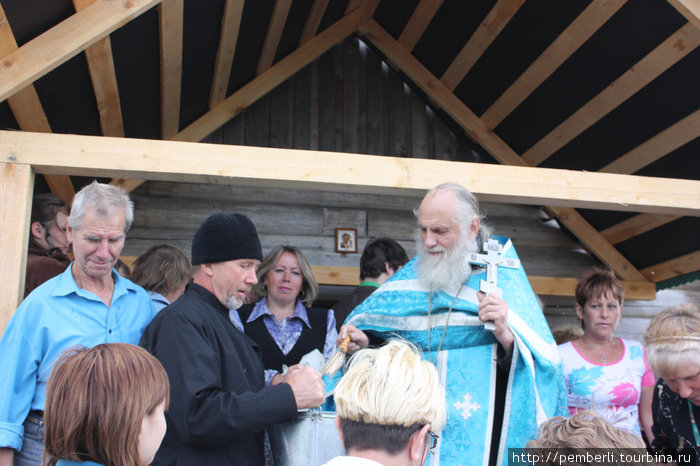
point(467, 361)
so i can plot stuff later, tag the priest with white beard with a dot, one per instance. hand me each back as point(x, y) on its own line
point(501, 380)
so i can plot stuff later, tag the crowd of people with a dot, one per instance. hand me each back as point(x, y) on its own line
point(188, 361)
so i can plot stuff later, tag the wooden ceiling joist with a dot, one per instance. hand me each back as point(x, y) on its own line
point(418, 22)
point(65, 40)
point(171, 22)
point(573, 37)
point(669, 52)
point(636, 226)
point(658, 146)
point(307, 169)
point(318, 9)
point(673, 268)
point(230, 28)
point(488, 30)
point(29, 113)
point(104, 81)
point(596, 243)
point(274, 34)
point(277, 74)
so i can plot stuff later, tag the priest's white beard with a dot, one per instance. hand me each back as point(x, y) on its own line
point(448, 271)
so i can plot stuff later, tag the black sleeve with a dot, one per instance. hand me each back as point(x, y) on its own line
point(202, 413)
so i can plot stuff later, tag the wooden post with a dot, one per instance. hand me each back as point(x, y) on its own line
point(16, 186)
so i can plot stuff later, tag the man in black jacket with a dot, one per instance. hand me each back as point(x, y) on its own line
point(219, 404)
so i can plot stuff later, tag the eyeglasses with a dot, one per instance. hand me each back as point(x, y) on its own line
point(433, 439)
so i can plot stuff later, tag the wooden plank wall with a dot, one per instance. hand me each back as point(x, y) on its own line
point(348, 101)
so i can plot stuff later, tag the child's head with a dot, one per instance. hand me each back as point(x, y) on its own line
point(105, 404)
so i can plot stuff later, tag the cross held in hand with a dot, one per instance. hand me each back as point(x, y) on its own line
point(492, 259)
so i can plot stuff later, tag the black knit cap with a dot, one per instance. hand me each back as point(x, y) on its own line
point(225, 237)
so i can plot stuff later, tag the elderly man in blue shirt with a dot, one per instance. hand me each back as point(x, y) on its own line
point(86, 305)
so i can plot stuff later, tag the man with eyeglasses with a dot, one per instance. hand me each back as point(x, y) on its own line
point(388, 403)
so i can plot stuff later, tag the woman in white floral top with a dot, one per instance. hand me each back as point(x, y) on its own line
point(604, 373)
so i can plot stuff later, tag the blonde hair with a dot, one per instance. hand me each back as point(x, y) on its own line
point(96, 400)
point(583, 430)
point(673, 339)
point(391, 385)
point(309, 287)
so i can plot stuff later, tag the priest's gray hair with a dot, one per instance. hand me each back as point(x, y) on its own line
point(466, 208)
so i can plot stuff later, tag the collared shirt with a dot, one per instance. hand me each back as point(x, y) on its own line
point(159, 301)
point(287, 332)
point(56, 316)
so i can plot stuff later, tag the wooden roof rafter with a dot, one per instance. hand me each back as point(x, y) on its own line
point(104, 81)
point(318, 9)
point(274, 33)
point(228, 39)
point(29, 113)
point(668, 53)
point(635, 226)
point(574, 36)
point(418, 22)
point(170, 20)
point(497, 18)
point(657, 146)
point(673, 268)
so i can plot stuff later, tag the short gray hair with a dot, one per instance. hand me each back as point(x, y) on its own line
point(467, 208)
point(105, 199)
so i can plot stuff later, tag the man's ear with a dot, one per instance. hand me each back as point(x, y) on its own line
point(389, 269)
point(417, 444)
point(474, 226)
point(339, 426)
point(208, 269)
point(37, 230)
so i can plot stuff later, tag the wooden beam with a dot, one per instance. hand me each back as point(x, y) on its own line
point(307, 169)
point(171, 28)
point(274, 34)
point(688, 8)
point(677, 46)
point(555, 286)
point(438, 93)
point(635, 226)
point(673, 268)
point(104, 81)
point(353, 5)
point(596, 244)
point(280, 72)
point(318, 9)
point(488, 30)
point(16, 186)
point(548, 286)
point(65, 40)
point(29, 113)
point(656, 147)
point(418, 22)
point(230, 29)
point(573, 37)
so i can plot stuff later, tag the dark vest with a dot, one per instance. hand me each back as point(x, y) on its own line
point(272, 356)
